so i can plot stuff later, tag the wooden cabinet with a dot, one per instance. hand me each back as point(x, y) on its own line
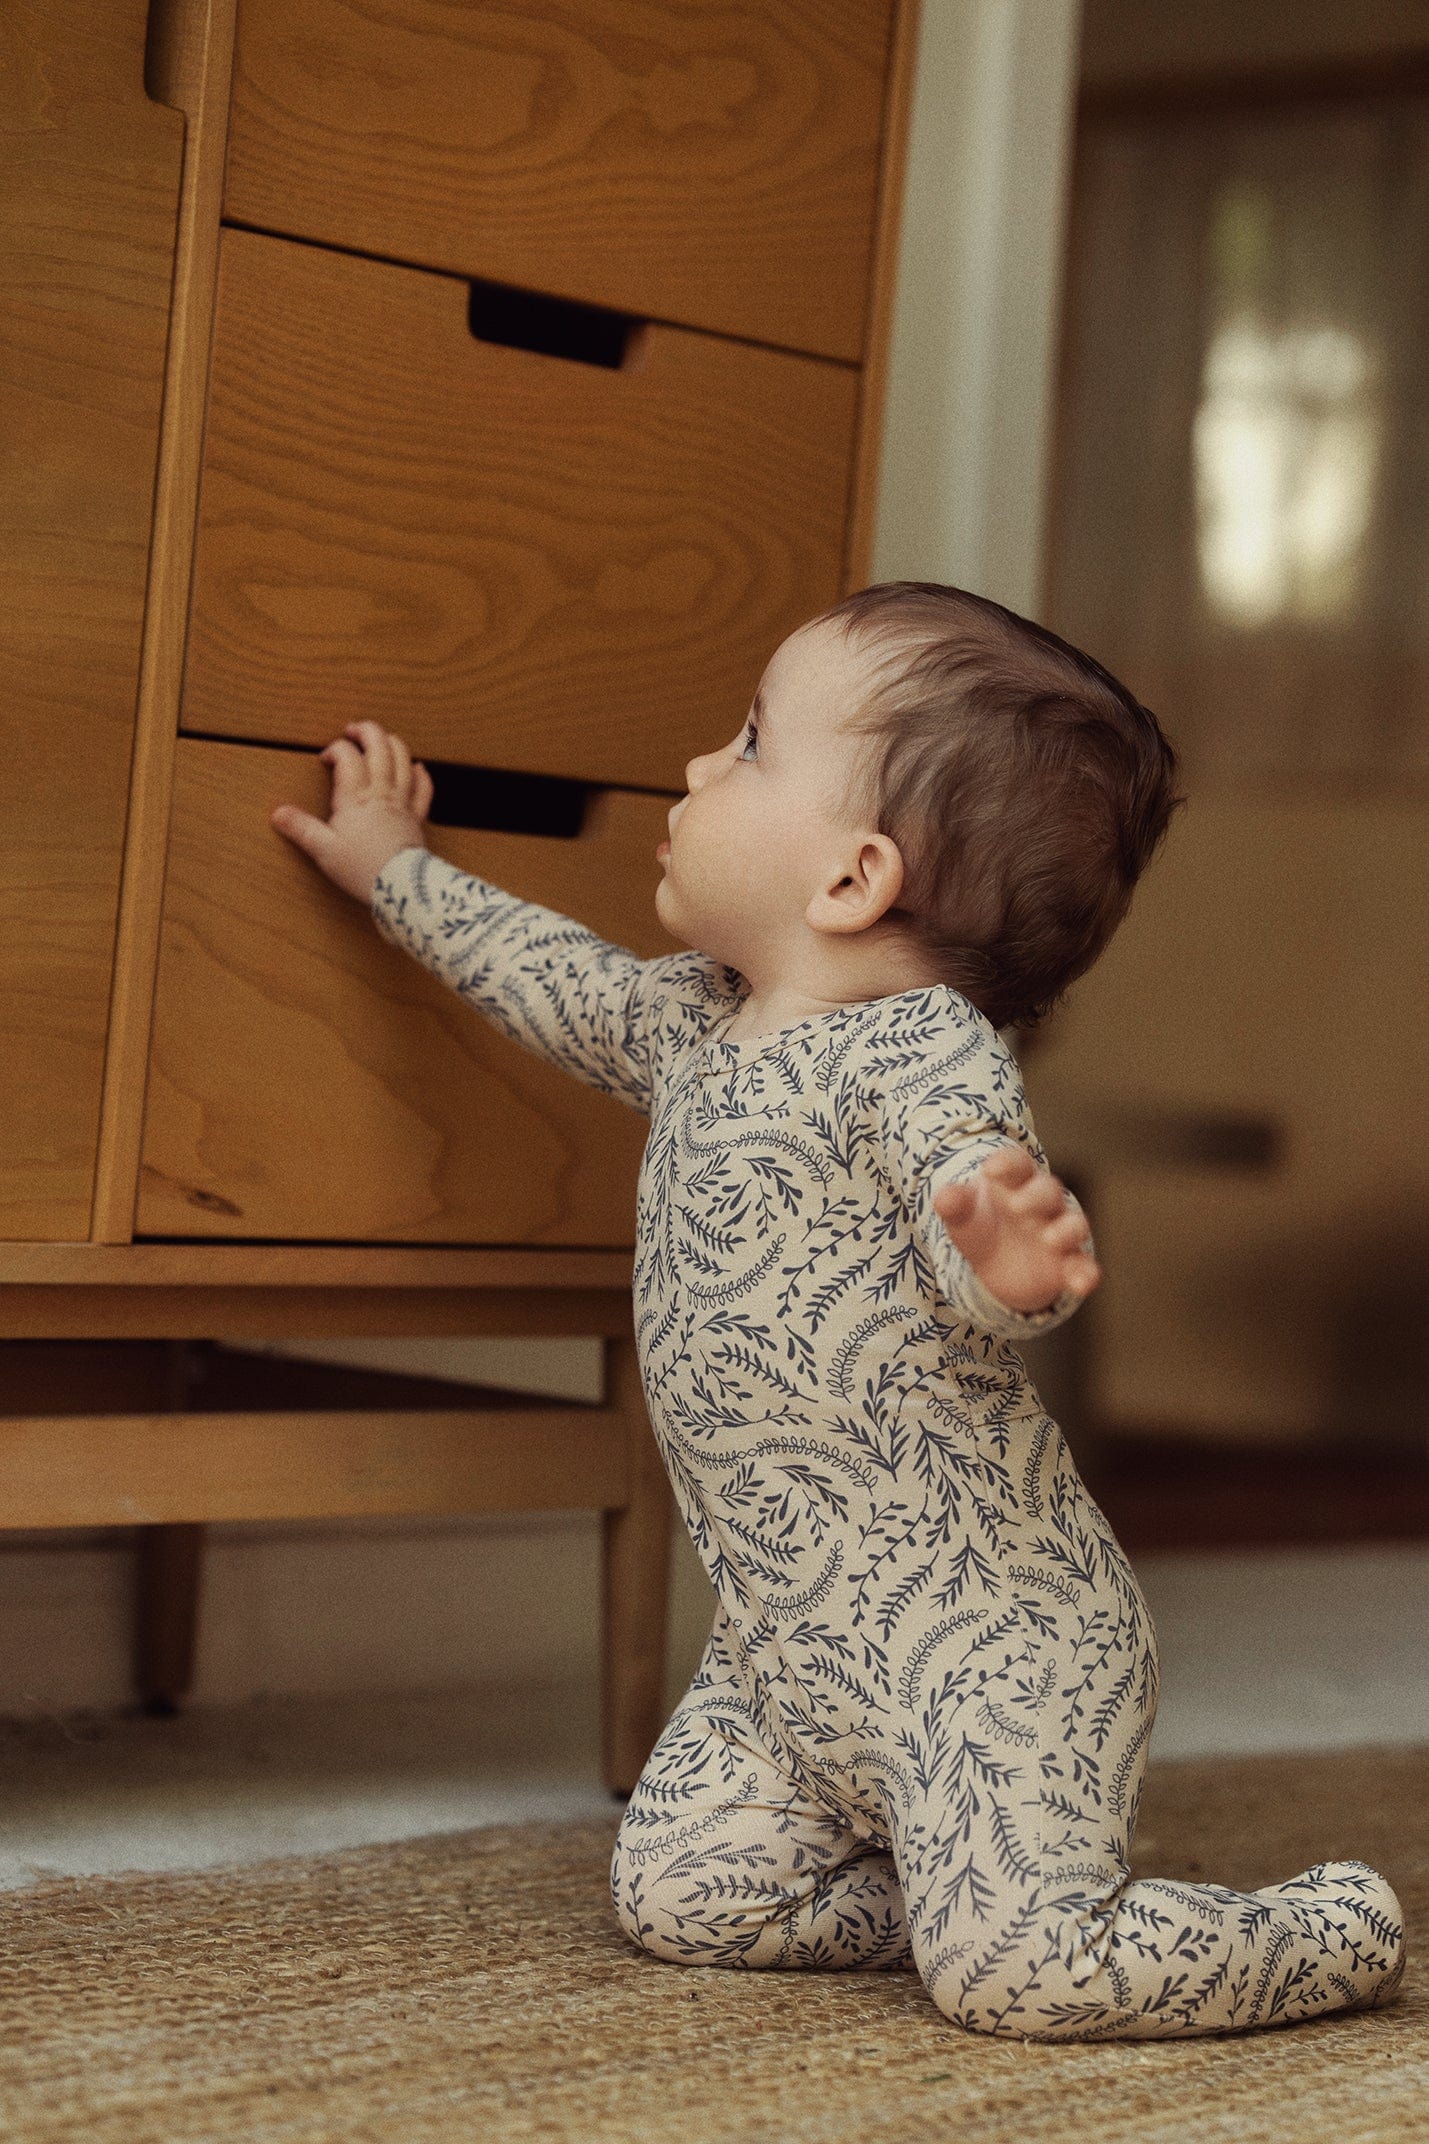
point(510, 376)
point(89, 198)
point(513, 377)
point(542, 488)
point(1260, 1188)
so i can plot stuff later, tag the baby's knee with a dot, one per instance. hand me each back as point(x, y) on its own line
point(707, 1915)
point(669, 1924)
point(631, 1895)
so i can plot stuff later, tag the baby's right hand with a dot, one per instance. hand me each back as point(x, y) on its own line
point(378, 802)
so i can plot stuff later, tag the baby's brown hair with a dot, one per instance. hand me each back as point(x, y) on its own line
point(1027, 791)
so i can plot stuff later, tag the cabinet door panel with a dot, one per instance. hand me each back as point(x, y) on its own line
point(514, 559)
point(717, 167)
point(310, 1081)
point(89, 182)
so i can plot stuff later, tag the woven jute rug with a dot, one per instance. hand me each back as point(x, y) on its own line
point(476, 1985)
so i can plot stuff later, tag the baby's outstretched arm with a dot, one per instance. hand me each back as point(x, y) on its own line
point(540, 977)
point(1008, 1244)
point(1013, 1224)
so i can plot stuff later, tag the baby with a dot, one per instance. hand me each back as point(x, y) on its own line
point(918, 1731)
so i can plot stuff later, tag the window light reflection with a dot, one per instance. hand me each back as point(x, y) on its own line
point(1286, 447)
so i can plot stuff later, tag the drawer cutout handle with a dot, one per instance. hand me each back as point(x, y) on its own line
point(552, 327)
point(502, 800)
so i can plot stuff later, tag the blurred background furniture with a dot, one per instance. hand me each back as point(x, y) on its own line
point(1237, 528)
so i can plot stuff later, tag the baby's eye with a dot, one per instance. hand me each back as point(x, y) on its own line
point(751, 737)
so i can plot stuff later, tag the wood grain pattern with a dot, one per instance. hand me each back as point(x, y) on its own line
point(715, 167)
point(302, 1269)
point(512, 558)
point(162, 1469)
point(89, 179)
point(189, 61)
point(309, 1080)
point(234, 1291)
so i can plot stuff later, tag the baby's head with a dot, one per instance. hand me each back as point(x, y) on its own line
point(929, 789)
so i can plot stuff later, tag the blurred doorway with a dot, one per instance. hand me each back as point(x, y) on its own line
point(1239, 528)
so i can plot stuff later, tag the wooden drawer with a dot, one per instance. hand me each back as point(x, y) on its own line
point(310, 1081)
point(712, 166)
point(514, 559)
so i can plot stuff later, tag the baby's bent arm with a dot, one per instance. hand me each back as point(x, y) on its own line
point(538, 976)
point(938, 1134)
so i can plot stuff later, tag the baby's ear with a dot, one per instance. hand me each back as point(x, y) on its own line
point(866, 884)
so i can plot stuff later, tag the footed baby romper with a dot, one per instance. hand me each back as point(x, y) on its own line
point(918, 1731)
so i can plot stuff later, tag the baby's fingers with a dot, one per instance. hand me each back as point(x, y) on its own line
point(955, 1202)
point(1069, 1236)
point(1022, 1186)
point(401, 764)
point(1010, 1164)
point(422, 792)
point(313, 836)
point(349, 769)
point(1029, 1186)
point(377, 746)
point(1067, 1233)
point(1083, 1274)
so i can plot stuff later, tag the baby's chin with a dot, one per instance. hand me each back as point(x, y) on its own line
point(680, 927)
point(694, 943)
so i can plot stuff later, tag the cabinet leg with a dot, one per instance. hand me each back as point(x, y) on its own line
point(635, 1586)
point(166, 1614)
point(168, 1568)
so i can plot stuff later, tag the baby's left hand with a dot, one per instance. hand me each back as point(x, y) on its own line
point(1012, 1224)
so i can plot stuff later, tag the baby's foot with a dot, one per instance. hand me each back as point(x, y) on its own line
point(1358, 1919)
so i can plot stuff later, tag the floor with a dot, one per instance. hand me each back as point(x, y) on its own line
point(1260, 1650)
point(93, 1793)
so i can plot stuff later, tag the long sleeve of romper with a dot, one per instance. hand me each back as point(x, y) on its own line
point(937, 1130)
point(538, 976)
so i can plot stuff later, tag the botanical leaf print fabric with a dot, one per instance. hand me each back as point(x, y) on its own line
point(918, 1732)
